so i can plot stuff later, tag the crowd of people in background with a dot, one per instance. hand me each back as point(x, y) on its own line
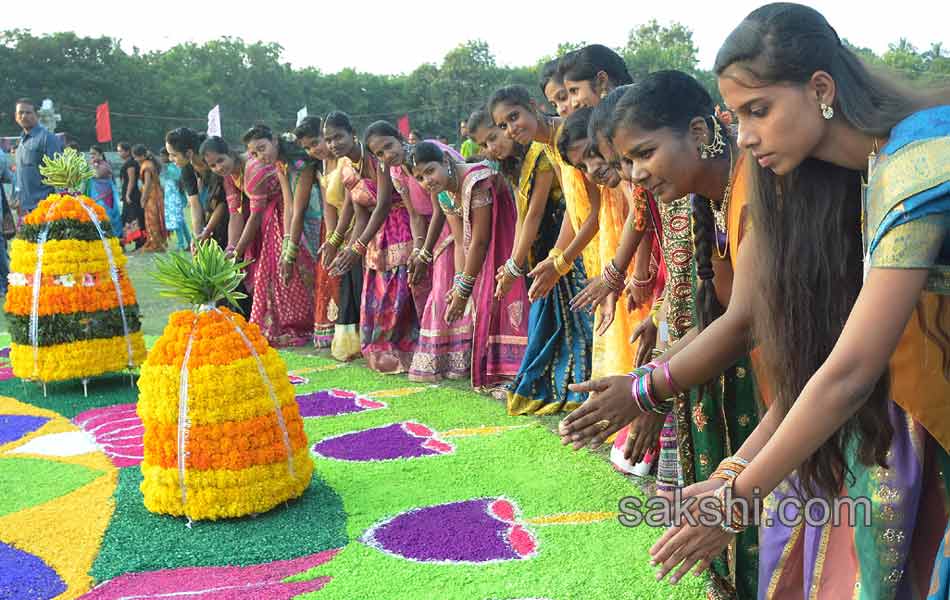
point(141, 193)
point(748, 301)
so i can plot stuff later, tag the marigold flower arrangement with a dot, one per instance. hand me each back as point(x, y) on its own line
point(223, 435)
point(70, 305)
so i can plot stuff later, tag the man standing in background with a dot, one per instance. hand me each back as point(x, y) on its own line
point(35, 143)
point(469, 148)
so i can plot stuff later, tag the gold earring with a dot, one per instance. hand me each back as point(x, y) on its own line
point(717, 146)
point(827, 111)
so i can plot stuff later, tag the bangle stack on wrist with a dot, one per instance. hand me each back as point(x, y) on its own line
point(358, 247)
point(425, 256)
point(561, 265)
point(289, 250)
point(335, 239)
point(513, 270)
point(644, 393)
point(655, 312)
point(734, 518)
point(643, 283)
point(613, 277)
point(729, 468)
point(464, 285)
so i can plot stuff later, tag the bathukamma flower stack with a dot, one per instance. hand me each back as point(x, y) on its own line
point(70, 306)
point(223, 435)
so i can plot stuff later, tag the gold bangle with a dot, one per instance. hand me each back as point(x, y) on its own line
point(555, 252)
point(561, 265)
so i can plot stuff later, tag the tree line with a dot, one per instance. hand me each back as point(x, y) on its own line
point(152, 92)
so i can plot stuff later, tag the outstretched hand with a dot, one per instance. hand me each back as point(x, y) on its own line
point(545, 277)
point(646, 332)
point(643, 436)
point(686, 546)
point(593, 294)
point(608, 409)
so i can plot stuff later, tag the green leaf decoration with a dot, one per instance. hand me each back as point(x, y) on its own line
point(66, 171)
point(202, 279)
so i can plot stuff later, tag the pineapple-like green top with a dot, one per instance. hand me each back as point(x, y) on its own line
point(202, 279)
point(66, 171)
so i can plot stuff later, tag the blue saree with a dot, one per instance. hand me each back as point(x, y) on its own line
point(558, 351)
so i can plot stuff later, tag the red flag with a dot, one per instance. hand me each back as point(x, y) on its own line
point(403, 125)
point(103, 123)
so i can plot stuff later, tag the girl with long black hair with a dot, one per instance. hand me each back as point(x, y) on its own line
point(849, 315)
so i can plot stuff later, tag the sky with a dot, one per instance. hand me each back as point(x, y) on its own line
point(396, 37)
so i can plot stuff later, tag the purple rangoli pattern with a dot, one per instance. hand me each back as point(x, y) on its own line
point(23, 575)
point(389, 442)
point(471, 531)
point(13, 427)
point(328, 403)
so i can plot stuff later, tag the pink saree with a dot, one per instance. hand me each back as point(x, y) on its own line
point(389, 327)
point(284, 314)
point(444, 349)
point(500, 327)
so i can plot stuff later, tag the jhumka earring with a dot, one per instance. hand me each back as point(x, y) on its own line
point(718, 144)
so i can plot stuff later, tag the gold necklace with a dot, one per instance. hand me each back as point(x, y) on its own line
point(722, 214)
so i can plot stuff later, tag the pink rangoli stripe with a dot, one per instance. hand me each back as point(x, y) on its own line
point(262, 582)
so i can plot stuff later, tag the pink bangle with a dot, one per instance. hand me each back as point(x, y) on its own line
point(669, 379)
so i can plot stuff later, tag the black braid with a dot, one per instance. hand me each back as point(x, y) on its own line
point(708, 308)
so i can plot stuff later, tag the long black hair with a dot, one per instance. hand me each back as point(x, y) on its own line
point(217, 145)
point(425, 152)
point(510, 167)
point(810, 249)
point(584, 64)
point(309, 127)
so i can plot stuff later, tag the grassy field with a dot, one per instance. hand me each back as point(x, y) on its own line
point(155, 310)
point(567, 499)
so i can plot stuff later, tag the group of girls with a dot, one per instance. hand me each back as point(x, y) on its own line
point(764, 302)
point(803, 348)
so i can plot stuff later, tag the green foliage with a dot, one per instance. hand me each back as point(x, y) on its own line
point(205, 278)
point(150, 93)
point(69, 327)
point(68, 170)
point(653, 47)
point(65, 229)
